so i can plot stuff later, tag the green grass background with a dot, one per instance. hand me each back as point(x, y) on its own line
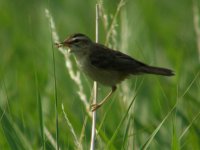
point(158, 32)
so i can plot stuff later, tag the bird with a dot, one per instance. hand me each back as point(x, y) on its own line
point(106, 66)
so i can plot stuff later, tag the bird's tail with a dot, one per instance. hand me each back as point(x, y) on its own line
point(156, 70)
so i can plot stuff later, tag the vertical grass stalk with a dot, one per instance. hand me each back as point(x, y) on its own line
point(93, 134)
point(55, 90)
point(40, 112)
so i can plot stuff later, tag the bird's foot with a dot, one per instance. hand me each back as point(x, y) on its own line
point(94, 107)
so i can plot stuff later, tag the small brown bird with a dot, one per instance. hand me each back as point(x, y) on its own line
point(104, 65)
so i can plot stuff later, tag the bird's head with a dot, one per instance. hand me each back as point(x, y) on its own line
point(77, 43)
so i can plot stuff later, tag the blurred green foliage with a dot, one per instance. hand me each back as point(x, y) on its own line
point(159, 32)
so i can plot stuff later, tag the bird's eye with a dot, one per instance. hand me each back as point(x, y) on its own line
point(76, 41)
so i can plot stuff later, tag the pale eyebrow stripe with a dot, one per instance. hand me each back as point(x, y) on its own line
point(73, 39)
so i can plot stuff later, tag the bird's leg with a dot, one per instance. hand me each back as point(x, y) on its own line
point(96, 106)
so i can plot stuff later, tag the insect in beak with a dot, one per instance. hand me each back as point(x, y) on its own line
point(63, 44)
point(58, 45)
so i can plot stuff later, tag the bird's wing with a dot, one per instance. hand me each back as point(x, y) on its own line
point(108, 59)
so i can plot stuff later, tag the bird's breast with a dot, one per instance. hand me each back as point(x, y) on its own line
point(105, 77)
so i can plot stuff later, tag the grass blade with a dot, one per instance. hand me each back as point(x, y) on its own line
point(14, 136)
point(148, 142)
point(40, 113)
point(123, 119)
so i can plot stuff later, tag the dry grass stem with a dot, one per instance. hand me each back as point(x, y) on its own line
point(93, 132)
point(50, 138)
point(78, 145)
point(75, 76)
point(113, 23)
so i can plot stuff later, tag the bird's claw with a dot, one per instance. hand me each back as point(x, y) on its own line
point(94, 107)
